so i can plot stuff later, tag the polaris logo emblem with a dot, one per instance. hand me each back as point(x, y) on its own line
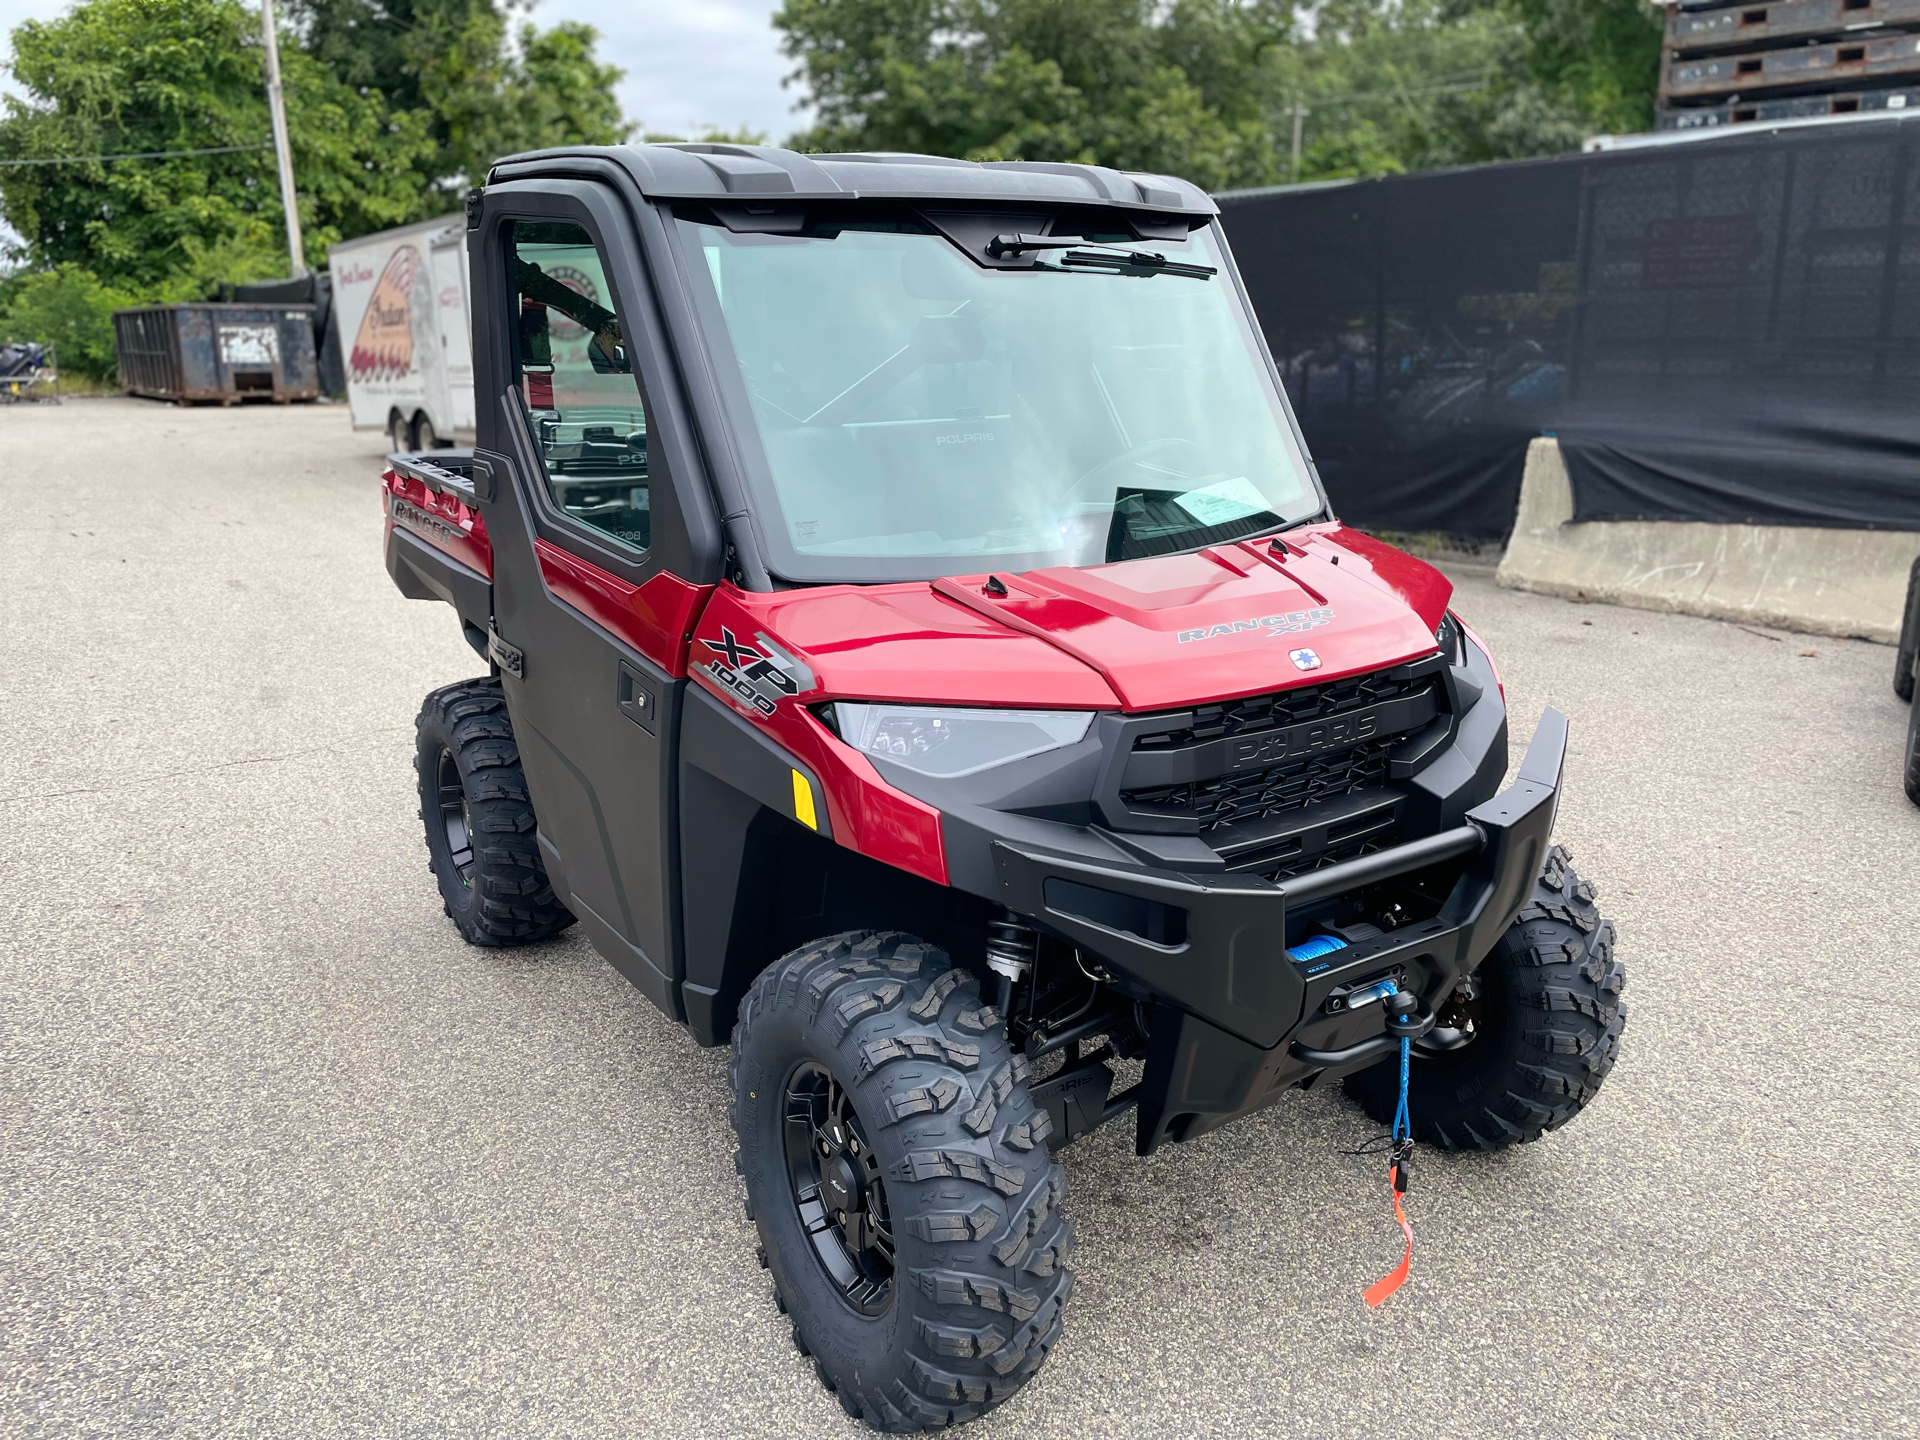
point(1291, 623)
point(1304, 659)
point(1297, 740)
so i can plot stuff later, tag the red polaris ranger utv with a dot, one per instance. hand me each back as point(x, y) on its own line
point(923, 657)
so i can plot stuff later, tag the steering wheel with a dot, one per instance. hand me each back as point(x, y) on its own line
point(1166, 450)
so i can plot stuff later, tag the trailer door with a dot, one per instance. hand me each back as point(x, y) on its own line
point(449, 252)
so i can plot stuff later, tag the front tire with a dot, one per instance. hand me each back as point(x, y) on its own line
point(1547, 1023)
point(479, 819)
point(898, 1174)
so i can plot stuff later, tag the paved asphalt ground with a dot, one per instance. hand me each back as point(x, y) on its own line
point(280, 1156)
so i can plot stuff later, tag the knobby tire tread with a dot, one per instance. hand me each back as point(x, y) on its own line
point(510, 900)
point(983, 1250)
point(1562, 1015)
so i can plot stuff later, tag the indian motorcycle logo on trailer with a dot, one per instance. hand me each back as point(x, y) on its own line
point(757, 676)
point(383, 348)
point(1291, 623)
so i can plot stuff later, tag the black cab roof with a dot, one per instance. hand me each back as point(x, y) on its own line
point(706, 170)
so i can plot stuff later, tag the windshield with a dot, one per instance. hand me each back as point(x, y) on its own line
point(919, 415)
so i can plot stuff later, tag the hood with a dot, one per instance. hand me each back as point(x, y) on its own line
point(1150, 634)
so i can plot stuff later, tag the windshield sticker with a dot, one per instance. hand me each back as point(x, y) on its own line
point(756, 676)
point(1223, 503)
point(1291, 623)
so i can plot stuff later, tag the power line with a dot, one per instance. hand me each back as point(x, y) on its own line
point(1468, 80)
point(138, 155)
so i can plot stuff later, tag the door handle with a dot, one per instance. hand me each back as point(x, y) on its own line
point(637, 699)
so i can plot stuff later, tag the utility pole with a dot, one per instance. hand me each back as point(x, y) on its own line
point(296, 252)
point(1300, 113)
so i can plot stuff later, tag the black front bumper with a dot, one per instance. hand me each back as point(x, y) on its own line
point(1241, 1021)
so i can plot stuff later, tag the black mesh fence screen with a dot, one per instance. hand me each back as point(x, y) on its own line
point(1723, 330)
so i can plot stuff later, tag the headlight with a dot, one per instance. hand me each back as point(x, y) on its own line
point(951, 743)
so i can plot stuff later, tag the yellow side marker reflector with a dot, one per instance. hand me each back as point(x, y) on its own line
point(803, 802)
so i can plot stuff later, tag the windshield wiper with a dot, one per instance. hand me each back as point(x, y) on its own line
point(1103, 257)
point(1133, 262)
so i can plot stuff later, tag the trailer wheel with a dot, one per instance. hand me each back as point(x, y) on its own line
point(898, 1174)
point(1904, 657)
point(399, 433)
point(479, 820)
point(1546, 1021)
point(425, 437)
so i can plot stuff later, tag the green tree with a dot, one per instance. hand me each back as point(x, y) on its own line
point(118, 77)
point(1413, 84)
point(1600, 56)
point(65, 307)
point(1208, 88)
point(481, 97)
point(1119, 82)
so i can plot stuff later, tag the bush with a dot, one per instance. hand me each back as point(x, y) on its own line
point(68, 308)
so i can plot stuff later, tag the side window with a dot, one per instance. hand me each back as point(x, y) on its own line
point(576, 382)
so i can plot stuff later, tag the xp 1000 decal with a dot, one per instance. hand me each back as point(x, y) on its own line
point(757, 676)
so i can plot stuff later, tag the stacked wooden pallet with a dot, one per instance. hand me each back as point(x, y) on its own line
point(1739, 63)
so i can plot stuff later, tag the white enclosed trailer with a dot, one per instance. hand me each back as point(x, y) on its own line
point(401, 301)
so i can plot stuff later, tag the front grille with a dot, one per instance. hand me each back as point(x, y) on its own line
point(1332, 855)
point(1258, 794)
point(1287, 707)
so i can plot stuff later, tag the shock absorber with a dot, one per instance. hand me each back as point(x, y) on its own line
point(1011, 946)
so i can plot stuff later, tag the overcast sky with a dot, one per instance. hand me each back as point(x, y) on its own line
point(689, 63)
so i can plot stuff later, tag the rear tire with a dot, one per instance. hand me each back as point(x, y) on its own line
point(425, 437)
point(399, 433)
point(1903, 659)
point(1913, 755)
point(935, 1147)
point(479, 819)
point(1548, 1025)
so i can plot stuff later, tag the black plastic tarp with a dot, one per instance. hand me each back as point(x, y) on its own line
point(1420, 325)
point(1837, 467)
point(314, 288)
point(1724, 330)
point(21, 358)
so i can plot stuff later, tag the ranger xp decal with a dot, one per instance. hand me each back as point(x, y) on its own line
point(1287, 624)
point(758, 676)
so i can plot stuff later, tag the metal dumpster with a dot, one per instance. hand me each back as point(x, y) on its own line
point(224, 353)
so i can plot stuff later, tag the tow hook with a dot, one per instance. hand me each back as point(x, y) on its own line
point(1404, 1022)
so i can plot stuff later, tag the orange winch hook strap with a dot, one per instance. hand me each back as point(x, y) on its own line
point(1386, 1285)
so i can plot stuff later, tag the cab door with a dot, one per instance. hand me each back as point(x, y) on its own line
point(604, 550)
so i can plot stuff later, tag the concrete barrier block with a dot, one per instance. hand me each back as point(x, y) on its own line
point(1824, 582)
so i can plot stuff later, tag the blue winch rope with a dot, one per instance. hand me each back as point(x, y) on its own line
point(1402, 1125)
point(1316, 947)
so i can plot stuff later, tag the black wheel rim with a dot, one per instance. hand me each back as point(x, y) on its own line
point(454, 818)
point(837, 1190)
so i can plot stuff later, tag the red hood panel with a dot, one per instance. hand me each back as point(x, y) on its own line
point(1182, 629)
point(903, 642)
point(1152, 634)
